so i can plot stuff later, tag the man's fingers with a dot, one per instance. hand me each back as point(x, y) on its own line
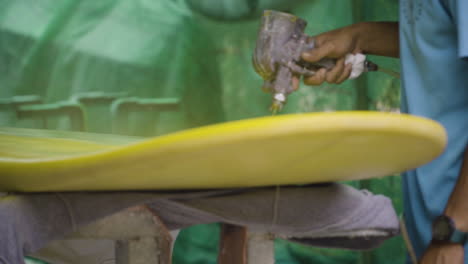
point(319, 53)
point(345, 74)
point(338, 74)
point(333, 75)
point(316, 79)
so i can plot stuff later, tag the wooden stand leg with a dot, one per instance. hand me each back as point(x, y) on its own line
point(233, 245)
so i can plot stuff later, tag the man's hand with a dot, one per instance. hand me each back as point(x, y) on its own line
point(333, 44)
point(449, 253)
point(377, 38)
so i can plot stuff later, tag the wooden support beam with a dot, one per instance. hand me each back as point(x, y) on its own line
point(233, 245)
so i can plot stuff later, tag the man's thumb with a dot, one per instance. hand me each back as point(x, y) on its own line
point(318, 53)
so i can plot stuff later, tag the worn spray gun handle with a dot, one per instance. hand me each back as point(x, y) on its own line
point(310, 68)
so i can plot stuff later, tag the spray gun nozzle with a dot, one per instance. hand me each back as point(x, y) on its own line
point(279, 99)
point(276, 107)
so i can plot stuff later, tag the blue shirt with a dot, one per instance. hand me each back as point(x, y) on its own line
point(433, 54)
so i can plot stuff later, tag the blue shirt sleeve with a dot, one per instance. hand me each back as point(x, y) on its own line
point(462, 27)
point(459, 13)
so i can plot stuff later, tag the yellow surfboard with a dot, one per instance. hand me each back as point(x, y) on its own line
point(279, 150)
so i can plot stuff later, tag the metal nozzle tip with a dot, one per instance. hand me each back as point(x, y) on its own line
point(276, 106)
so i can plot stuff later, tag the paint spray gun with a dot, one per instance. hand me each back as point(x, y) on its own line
point(277, 56)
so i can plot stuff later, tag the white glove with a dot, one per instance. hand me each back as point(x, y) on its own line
point(357, 60)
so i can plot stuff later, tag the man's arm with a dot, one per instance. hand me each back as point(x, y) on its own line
point(457, 205)
point(379, 38)
point(376, 38)
point(457, 209)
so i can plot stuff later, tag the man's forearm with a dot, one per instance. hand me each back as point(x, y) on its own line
point(457, 206)
point(378, 38)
